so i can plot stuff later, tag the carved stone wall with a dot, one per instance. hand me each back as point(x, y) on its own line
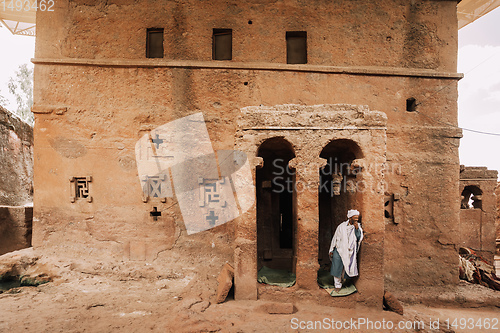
point(96, 94)
point(309, 129)
point(478, 210)
point(16, 160)
point(16, 185)
point(497, 193)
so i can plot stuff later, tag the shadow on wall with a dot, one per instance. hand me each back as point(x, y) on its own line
point(15, 228)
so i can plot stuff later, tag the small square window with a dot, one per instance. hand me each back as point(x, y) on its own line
point(154, 43)
point(411, 104)
point(296, 47)
point(222, 44)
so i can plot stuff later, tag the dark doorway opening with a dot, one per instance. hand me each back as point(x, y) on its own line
point(276, 206)
point(339, 191)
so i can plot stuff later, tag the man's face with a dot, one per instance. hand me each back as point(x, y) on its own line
point(355, 218)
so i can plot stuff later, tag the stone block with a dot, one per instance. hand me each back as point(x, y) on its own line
point(15, 228)
point(226, 270)
point(245, 277)
point(392, 303)
point(225, 280)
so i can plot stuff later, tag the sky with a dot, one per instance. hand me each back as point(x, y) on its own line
point(15, 51)
point(479, 90)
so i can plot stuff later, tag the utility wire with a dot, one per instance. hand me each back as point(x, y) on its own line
point(482, 62)
point(448, 85)
point(462, 128)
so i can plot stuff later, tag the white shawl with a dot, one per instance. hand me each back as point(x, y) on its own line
point(344, 240)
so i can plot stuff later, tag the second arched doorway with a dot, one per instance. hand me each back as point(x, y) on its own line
point(339, 191)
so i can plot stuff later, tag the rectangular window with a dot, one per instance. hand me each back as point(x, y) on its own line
point(222, 44)
point(154, 43)
point(296, 47)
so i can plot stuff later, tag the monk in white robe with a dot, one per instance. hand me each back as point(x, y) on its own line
point(344, 248)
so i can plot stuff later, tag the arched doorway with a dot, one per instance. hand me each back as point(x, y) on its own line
point(471, 197)
point(340, 190)
point(276, 206)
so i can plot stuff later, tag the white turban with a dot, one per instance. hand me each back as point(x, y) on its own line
point(351, 213)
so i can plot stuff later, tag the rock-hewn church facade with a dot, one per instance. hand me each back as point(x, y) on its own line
point(351, 103)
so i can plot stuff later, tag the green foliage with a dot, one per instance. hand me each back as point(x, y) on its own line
point(3, 100)
point(21, 86)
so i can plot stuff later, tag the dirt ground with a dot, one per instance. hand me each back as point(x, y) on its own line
point(87, 296)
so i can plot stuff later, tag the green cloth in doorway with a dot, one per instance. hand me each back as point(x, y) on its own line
point(325, 281)
point(276, 277)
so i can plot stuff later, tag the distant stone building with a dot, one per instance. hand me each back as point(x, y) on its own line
point(478, 210)
point(497, 193)
point(16, 185)
point(352, 96)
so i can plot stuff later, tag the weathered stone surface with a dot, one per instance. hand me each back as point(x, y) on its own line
point(200, 307)
point(225, 280)
point(227, 271)
point(24, 265)
point(17, 262)
point(16, 160)
point(386, 45)
point(15, 228)
point(392, 303)
point(278, 308)
point(497, 220)
point(16, 186)
point(348, 101)
point(478, 210)
point(475, 173)
point(310, 133)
